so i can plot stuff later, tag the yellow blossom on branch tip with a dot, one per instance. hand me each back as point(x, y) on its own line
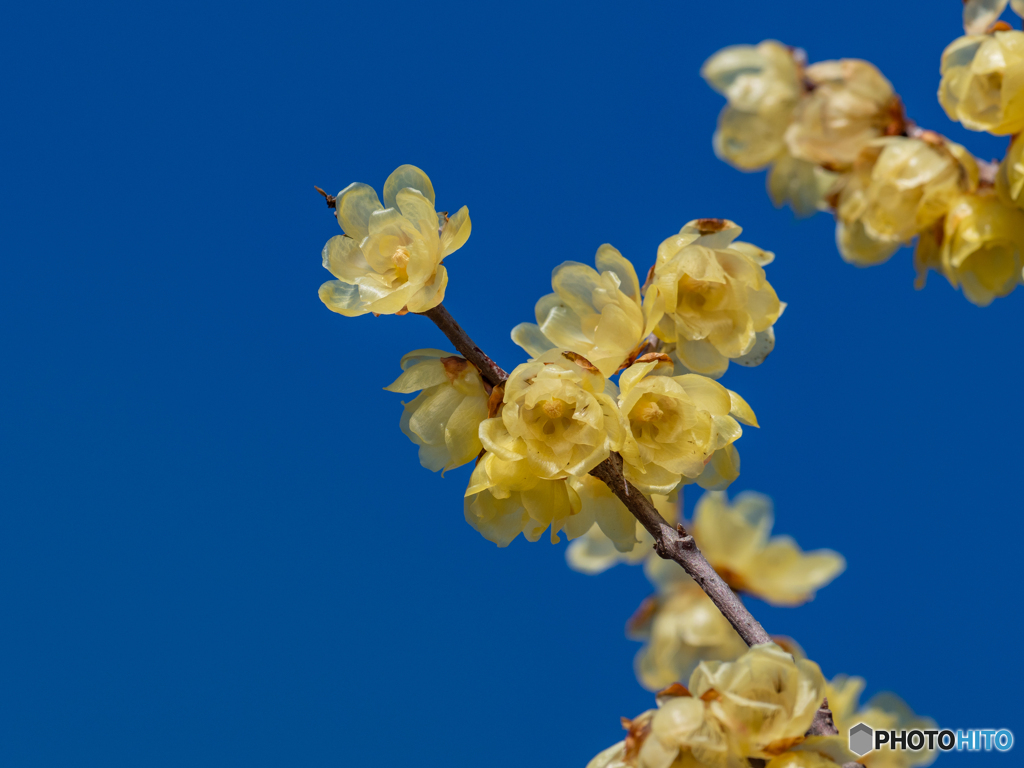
point(718, 302)
point(801, 184)
point(599, 314)
point(444, 419)
point(735, 540)
point(389, 259)
point(982, 83)
point(979, 247)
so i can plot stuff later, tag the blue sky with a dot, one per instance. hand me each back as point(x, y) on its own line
point(216, 548)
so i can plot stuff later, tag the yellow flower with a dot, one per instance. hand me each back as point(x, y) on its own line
point(898, 187)
point(676, 424)
point(680, 628)
point(849, 104)
point(596, 313)
point(1010, 177)
point(885, 711)
point(762, 85)
point(664, 737)
point(389, 259)
point(681, 729)
point(982, 83)
point(765, 700)
point(556, 423)
point(979, 247)
point(444, 419)
point(734, 539)
point(800, 184)
point(717, 298)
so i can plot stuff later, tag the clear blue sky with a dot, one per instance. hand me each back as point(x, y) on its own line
point(217, 549)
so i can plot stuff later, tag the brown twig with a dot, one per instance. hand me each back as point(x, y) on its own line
point(489, 369)
point(675, 544)
point(331, 199)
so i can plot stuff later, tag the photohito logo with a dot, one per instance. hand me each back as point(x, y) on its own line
point(864, 739)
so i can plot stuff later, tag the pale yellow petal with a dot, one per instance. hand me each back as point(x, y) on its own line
point(354, 205)
point(407, 176)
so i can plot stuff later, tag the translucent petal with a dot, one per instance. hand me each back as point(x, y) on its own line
point(497, 520)
point(456, 232)
point(979, 15)
point(701, 357)
point(741, 411)
point(354, 205)
point(764, 343)
point(342, 298)
point(407, 176)
point(706, 394)
point(431, 294)
point(343, 259)
point(419, 376)
point(420, 211)
point(530, 338)
point(461, 433)
point(609, 259)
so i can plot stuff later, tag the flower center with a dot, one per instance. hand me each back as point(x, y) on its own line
point(649, 412)
point(554, 409)
point(400, 258)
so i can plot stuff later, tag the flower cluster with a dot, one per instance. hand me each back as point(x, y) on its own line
point(759, 706)
point(679, 624)
point(834, 137)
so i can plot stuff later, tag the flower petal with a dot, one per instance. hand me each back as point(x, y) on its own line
point(354, 205)
point(406, 176)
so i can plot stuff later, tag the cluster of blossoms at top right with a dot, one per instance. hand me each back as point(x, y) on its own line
point(833, 137)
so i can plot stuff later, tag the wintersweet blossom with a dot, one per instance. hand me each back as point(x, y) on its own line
point(735, 540)
point(898, 187)
point(556, 423)
point(765, 700)
point(675, 424)
point(849, 104)
point(718, 301)
point(978, 247)
point(982, 83)
point(762, 85)
point(599, 314)
point(884, 711)
point(666, 737)
point(444, 419)
point(389, 259)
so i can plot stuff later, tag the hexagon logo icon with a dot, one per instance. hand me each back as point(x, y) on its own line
point(861, 739)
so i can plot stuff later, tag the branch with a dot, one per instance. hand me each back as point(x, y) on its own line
point(676, 544)
point(489, 369)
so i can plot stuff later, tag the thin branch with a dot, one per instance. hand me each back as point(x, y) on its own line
point(675, 544)
point(489, 369)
